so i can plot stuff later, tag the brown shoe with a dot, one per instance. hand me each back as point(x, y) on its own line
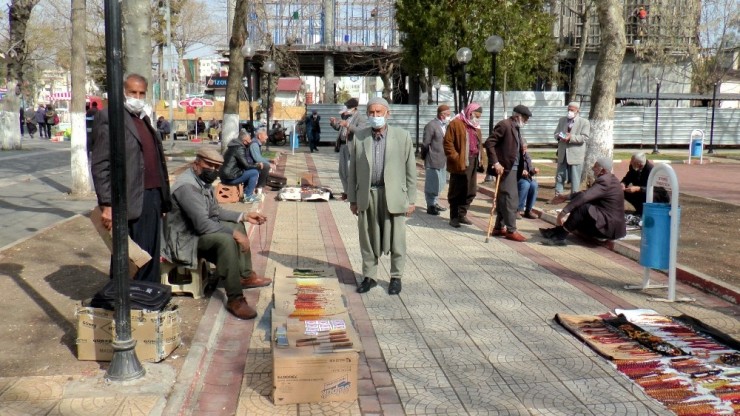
point(255, 280)
point(519, 215)
point(344, 197)
point(240, 309)
point(465, 220)
point(531, 215)
point(498, 233)
point(515, 236)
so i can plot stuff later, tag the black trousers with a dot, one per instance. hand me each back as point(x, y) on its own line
point(580, 220)
point(637, 199)
point(146, 231)
point(462, 190)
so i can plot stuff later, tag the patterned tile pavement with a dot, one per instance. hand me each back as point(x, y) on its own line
point(471, 333)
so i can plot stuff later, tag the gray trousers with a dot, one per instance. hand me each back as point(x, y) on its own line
point(507, 201)
point(231, 263)
point(344, 166)
point(380, 233)
point(565, 173)
point(435, 182)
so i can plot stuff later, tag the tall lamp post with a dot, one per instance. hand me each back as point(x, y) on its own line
point(463, 55)
point(437, 86)
point(269, 67)
point(711, 129)
point(657, 112)
point(248, 51)
point(494, 45)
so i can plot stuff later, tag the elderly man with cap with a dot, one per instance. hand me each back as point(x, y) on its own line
point(351, 122)
point(199, 227)
point(462, 146)
point(435, 161)
point(597, 212)
point(313, 130)
point(572, 133)
point(505, 152)
point(381, 191)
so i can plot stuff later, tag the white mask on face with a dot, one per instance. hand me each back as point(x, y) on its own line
point(475, 120)
point(376, 122)
point(571, 115)
point(134, 105)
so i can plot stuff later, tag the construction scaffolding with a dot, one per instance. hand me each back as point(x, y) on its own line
point(369, 23)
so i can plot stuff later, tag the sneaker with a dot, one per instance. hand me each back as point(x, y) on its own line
point(253, 199)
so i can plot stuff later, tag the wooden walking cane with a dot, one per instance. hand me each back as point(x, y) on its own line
point(493, 209)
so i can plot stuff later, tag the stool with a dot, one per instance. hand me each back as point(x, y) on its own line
point(228, 194)
point(194, 287)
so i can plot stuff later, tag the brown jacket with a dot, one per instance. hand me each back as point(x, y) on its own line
point(456, 146)
point(501, 146)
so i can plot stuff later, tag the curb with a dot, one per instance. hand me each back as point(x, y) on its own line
point(684, 274)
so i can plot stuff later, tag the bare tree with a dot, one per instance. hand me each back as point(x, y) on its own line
point(603, 91)
point(80, 176)
point(137, 47)
point(19, 13)
point(584, 15)
point(236, 70)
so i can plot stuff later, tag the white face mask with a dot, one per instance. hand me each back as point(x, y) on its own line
point(376, 122)
point(134, 105)
point(475, 121)
point(571, 115)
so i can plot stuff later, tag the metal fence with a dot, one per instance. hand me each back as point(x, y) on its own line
point(633, 126)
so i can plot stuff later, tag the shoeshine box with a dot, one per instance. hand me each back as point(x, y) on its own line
point(157, 333)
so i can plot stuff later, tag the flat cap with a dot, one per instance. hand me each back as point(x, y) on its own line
point(605, 163)
point(378, 101)
point(523, 110)
point(352, 103)
point(443, 107)
point(209, 154)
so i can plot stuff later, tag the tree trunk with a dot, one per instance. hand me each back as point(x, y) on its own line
point(19, 13)
point(137, 38)
point(603, 91)
point(80, 176)
point(586, 19)
point(236, 69)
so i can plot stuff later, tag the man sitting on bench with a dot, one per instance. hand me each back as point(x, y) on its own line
point(198, 227)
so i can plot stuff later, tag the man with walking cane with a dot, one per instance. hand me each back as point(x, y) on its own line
point(493, 210)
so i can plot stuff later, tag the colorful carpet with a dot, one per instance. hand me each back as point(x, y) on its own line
point(691, 368)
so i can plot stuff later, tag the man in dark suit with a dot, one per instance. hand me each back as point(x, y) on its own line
point(504, 147)
point(635, 182)
point(435, 161)
point(597, 212)
point(147, 181)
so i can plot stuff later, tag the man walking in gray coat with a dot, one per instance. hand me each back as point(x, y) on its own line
point(572, 133)
point(351, 122)
point(435, 161)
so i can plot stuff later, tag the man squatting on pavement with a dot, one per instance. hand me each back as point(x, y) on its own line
point(381, 192)
point(198, 227)
point(435, 161)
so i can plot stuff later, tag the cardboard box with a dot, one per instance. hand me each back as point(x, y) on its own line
point(300, 375)
point(137, 256)
point(157, 333)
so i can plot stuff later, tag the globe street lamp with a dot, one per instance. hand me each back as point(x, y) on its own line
point(248, 52)
point(463, 55)
point(437, 86)
point(270, 68)
point(494, 45)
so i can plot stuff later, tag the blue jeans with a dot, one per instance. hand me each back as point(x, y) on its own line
point(566, 173)
point(527, 194)
point(248, 177)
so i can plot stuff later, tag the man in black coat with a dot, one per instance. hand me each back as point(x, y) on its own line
point(634, 183)
point(597, 212)
point(147, 180)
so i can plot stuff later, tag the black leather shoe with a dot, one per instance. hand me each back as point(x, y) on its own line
point(455, 222)
point(440, 208)
point(547, 232)
point(366, 285)
point(466, 221)
point(555, 241)
point(432, 210)
point(394, 287)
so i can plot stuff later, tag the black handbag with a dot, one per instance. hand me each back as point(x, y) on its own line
point(142, 295)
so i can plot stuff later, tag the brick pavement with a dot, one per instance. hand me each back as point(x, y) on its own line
point(472, 332)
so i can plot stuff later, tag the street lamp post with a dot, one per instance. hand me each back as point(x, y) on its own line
point(248, 51)
point(463, 55)
point(711, 129)
point(418, 90)
point(269, 67)
point(657, 112)
point(437, 86)
point(494, 45)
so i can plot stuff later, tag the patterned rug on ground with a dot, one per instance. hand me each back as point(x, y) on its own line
point(690, 367)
